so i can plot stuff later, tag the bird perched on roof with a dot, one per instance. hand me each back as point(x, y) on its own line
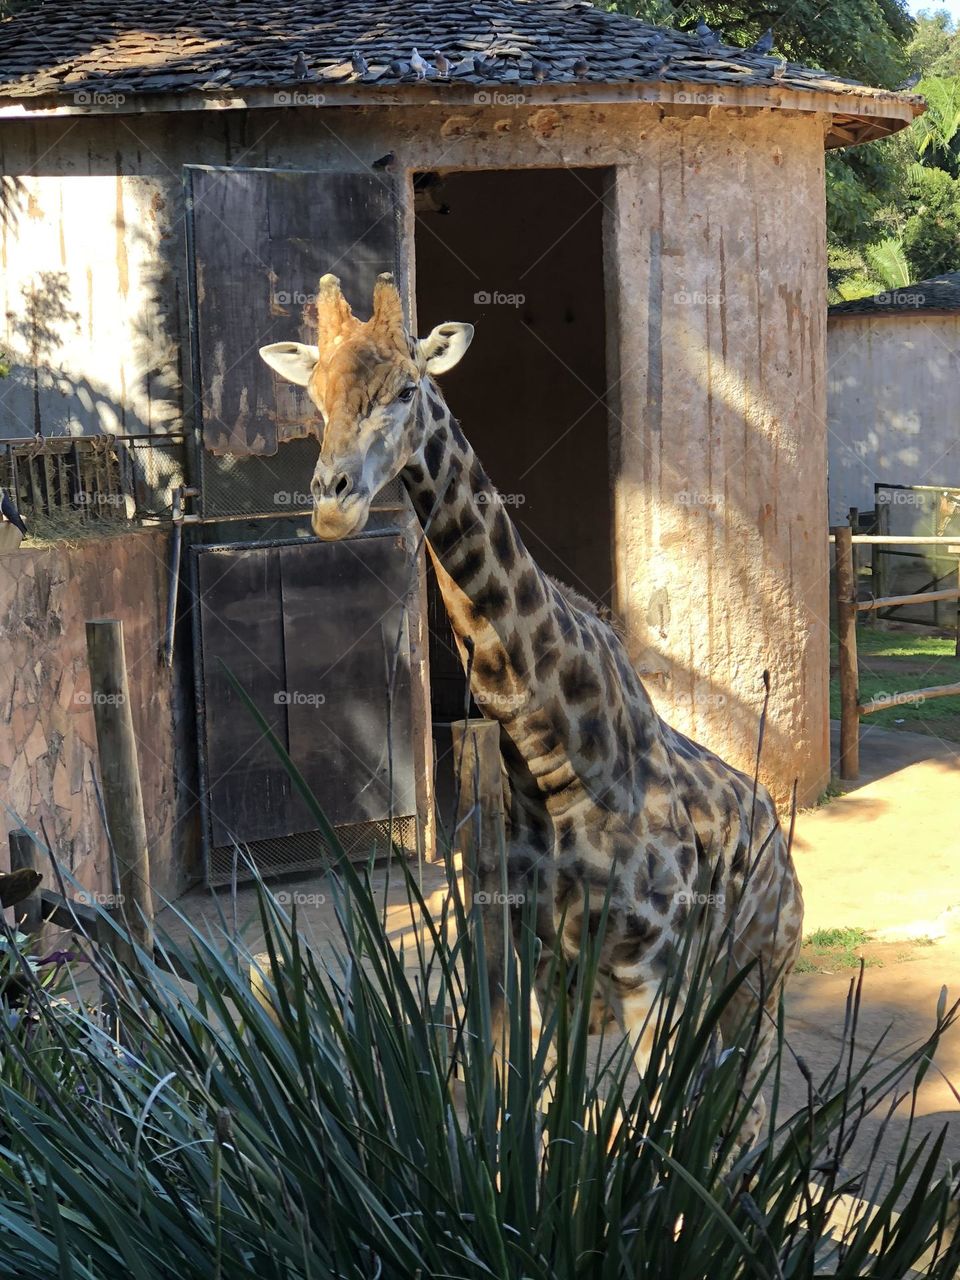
point(580, 68)
point(359, 64)
point(442, 63)
point(301, 68)
point(485, 65)
point(540, 71)
point(708, 37)
point(419, 66)
point(911, 82)
point(780, 70)
point(765, 44)
point(10, 512)
point(664, 65)
point(398, 69)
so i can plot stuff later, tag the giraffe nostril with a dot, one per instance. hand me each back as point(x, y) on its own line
point(343, 486)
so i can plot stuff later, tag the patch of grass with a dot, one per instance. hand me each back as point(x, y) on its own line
point(831, 791)
point(928, 660)
point(827, 950)
point(849, 937)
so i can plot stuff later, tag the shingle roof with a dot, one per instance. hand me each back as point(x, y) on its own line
point(942, 293)
point(59, 52)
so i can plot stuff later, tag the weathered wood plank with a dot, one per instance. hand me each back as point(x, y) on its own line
point(251, 796)
point(262, 238)
point(344, 604)
point(845, 588)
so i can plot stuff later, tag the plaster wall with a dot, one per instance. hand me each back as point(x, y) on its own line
point(720, 490)
point(716, 295)
point(48, 746)
point(893, 399)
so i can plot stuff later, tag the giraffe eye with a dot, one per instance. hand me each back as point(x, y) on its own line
point(406, 395)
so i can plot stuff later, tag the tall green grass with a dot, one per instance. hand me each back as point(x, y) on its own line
point(344, 1116)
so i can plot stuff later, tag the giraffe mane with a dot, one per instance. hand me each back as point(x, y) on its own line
point(585, 605)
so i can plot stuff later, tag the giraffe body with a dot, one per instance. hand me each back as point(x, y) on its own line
point(606, 802)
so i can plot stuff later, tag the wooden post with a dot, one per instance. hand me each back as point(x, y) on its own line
point(845, 587)
point(24, 857)
point(120, 773)
point(476, 761)
point(480, 823)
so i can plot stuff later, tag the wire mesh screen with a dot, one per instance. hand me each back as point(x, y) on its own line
point(151, 469)
point(917, 511)
point(307, 850)
point(277, 485)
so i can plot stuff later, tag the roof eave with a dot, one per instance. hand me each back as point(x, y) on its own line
point(898, 313)
point(856, 117)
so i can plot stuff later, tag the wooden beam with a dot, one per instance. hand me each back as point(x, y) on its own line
point(908, 698)
point(895, 539)
point(920, 597)
point(66, 913)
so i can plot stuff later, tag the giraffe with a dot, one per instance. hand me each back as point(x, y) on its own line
point(606, 802)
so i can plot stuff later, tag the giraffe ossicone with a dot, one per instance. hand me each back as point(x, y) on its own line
point(608, 805)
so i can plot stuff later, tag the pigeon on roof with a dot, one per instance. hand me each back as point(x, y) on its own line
point(419, 66)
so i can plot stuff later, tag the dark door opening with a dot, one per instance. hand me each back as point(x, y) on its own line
point(519, 254)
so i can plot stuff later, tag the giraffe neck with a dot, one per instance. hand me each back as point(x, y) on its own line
point(538, 663)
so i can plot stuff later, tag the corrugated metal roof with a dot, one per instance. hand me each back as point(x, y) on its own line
point(68, 54)
point(942, 293)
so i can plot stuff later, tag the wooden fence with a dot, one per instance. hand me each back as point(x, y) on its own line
point(848, 606)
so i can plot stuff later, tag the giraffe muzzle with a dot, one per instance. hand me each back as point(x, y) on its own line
point(338, 517)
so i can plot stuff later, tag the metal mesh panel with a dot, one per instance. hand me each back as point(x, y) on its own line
point(307, 850)
point(277, 485)
point(152, 468)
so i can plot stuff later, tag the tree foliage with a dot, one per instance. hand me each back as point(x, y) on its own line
point(862, 39)
point(893, 207)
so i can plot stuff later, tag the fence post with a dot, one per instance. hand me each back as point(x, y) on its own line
point(120, 773)
point(480, 821)
point(24, 857)
point(845, 588)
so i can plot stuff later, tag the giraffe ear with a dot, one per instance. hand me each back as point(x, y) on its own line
point(294, 361)
point(444, 347)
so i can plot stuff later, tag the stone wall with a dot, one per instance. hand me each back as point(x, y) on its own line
point(48, 753)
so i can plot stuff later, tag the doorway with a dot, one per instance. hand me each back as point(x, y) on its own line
point(519, 254)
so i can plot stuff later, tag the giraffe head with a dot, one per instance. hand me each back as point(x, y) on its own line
point(367, 378)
